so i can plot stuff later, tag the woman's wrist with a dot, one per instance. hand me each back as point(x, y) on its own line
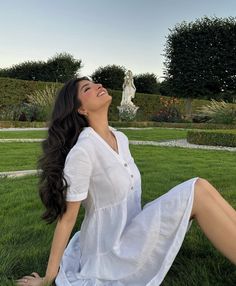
point(47, 280)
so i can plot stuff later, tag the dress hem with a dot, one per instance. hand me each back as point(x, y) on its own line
point(168, 261)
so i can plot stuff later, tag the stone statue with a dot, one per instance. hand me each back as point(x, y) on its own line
point(127, 110)
point(128, 89)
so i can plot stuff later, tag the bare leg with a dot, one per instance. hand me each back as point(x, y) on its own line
point(216, 218)
point(227, 208)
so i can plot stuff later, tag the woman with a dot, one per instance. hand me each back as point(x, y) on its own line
point(86, 160)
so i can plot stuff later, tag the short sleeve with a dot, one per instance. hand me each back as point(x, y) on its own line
point(77, 172)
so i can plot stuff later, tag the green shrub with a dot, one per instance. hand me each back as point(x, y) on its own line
point(15, 91)
point(36, 106)
point(169, 111)
point(215, 138)
point(19, 112)
point(219, 112)
point(42, 101)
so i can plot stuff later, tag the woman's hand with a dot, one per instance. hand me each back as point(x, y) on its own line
point(34, 280)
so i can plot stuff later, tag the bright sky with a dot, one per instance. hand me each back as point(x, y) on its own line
point(130, 33)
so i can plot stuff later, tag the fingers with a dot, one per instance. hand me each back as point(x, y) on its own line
point(23, 281)
point(29, 277)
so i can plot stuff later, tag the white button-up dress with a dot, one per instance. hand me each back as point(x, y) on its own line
point(119, 242)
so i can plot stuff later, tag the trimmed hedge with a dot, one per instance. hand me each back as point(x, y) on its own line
point(214, 138)
point(22, 124)
point(14, 92)
point(184, 125)
point(189, 125)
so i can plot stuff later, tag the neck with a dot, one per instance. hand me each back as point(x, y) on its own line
point(99, 122)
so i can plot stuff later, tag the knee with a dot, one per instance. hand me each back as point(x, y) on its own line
point(202, 186)
point(201, 195)
point(202, 182)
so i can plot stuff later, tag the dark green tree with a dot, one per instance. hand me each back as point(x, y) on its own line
point(62, 67)
point(165, 88)
point(200, 58)
point(29, 70)
point(110, 76)
point(146, 83)
point(59, 68)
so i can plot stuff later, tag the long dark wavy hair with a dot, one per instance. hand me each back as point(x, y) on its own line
point(65, 125)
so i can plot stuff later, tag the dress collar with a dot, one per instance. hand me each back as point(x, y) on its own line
point(90, 130)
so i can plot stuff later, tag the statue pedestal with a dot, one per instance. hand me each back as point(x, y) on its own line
point(127, 112)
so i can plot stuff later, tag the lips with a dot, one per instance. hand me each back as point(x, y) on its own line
point(102, 92)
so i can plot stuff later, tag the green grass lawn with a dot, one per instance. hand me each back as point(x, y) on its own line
point(17, 156)
point(149, 134)
point(23, 134)
point(155, 134)
point(23, 155)
point(25, 239)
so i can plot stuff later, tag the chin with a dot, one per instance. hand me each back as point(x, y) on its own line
point(109, 101)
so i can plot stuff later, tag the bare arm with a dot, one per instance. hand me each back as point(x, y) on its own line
point(61, 236)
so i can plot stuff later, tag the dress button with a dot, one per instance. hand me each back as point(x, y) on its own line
point(132, 175)
point(125, 165)
point(132, 188)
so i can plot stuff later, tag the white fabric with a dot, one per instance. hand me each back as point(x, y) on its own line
point(119, 243)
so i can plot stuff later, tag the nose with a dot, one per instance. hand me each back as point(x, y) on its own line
point(99, 85)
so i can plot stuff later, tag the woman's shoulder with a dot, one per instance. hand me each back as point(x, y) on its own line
point(83, 145)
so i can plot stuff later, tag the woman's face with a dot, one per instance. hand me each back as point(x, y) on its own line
point(93, 96)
